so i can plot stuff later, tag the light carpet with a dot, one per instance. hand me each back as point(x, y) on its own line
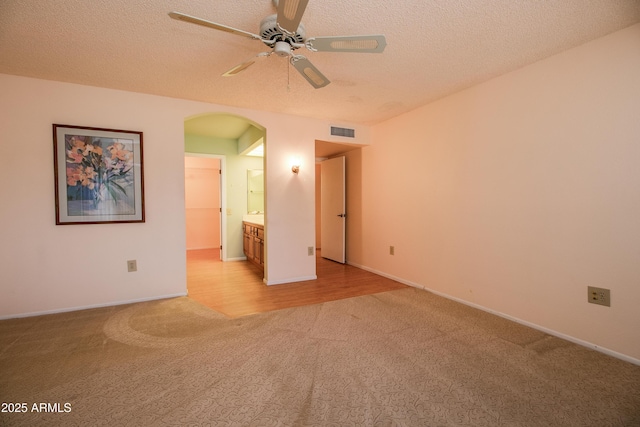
point(399, 358)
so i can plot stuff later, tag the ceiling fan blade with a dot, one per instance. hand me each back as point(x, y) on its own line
point(290, 14)
point(365, 44)
point(193, 20)
point(308, 71)
point(241, 67)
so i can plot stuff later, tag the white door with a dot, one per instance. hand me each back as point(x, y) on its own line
point(332, 210)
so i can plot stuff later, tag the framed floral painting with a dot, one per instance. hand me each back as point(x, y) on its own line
point(98, 175)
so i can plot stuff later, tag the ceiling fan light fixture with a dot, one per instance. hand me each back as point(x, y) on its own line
point(282, 49)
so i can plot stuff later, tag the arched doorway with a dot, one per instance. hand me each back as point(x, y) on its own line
point(220, 143)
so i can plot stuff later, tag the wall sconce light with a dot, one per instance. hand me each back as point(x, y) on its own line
point(295, 165)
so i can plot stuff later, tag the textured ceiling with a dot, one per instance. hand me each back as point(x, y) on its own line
point(434, 48)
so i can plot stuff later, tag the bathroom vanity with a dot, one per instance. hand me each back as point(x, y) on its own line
point(253, 241)
point(253, 221)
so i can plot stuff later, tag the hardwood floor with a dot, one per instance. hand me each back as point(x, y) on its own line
point(235, 288)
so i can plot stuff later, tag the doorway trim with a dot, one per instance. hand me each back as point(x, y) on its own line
point(223, 197)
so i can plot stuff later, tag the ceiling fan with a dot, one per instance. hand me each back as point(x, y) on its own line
point(284, 33)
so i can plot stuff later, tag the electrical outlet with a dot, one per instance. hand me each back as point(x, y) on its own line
point(310, 251)
point(392, 250)
point(132, 265)
point(599, 296)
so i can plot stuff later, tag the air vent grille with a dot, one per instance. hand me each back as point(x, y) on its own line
point(349, 133)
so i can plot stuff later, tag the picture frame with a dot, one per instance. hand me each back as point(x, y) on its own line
point(98, 175)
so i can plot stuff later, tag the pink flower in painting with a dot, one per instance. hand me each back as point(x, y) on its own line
point(119, 152)
point(73, 175)
point(77, 143)
point(92, 149)
point(95, 172)
point(74, 157)
point(77, 151)
point(84, 175)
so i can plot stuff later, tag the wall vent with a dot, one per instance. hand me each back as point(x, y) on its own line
point(349, 133)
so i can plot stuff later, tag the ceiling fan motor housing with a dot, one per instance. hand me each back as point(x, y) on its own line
point(269, 30)
point(282, 49)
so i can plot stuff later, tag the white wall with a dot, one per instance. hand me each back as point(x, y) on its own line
point(517, 194)
point(46, 268)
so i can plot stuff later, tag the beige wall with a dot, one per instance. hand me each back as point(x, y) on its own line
point(517, 194)
point(47, 268)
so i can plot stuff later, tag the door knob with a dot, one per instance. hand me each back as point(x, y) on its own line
point(342, 215)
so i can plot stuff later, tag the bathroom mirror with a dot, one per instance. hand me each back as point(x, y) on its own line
point(255, 191)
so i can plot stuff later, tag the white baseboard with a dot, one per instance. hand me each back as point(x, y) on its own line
point(293, 280)
point(548, 331)
point(86, 307)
